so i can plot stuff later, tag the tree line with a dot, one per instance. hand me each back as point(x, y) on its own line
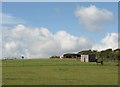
point(107, 54)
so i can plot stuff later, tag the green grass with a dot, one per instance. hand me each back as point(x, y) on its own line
point(58, 72)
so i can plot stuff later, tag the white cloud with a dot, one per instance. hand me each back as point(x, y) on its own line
point(72, 43)
point(40, 42)
point(10, 19)
point(93, 18)
point(109, 41)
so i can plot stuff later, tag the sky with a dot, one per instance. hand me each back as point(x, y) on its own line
point(40, 30)
point(60, 0)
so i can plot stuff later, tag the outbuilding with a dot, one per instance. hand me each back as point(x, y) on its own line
point(88, 58)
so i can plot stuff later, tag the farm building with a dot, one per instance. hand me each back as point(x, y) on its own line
point(88, 58)
point(71, 56)
point(55, 57)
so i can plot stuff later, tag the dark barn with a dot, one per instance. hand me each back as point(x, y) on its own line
point(72, 56)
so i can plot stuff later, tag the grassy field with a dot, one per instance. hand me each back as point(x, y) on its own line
point(58, 72)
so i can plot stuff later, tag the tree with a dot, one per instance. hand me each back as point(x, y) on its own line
point(85, 52)
point(117, 54)
point(22, 57)
point(23, 60)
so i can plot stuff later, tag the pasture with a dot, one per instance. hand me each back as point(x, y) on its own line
point(58, 72)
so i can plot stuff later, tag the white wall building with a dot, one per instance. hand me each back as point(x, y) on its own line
point(88, 58)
